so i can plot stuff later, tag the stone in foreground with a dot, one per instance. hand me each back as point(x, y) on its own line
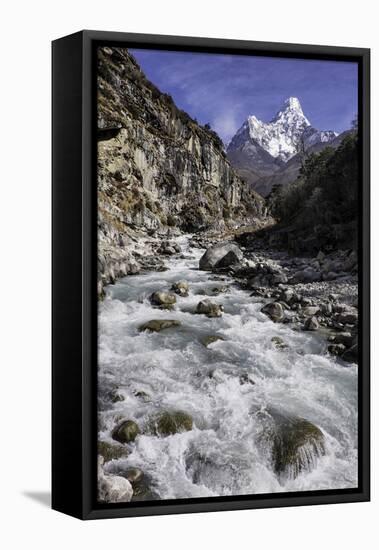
point(311, 323)
point(126, 432)
point(274, 310)
point(210, 309)
point(181, 288)
point(112, 488)
point(170, 423)
point(156, 325)
point(163, 298)
point(111, 452)
point(296, 444)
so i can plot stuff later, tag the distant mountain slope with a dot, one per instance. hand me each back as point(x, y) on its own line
point(262, 152)
point(290, 171)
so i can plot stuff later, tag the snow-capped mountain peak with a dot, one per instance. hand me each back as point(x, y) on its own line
point(281, 137)
point(260, 149)
point(291, 113)
point(284, 135)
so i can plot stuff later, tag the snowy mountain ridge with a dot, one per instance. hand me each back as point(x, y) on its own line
point(284, 135)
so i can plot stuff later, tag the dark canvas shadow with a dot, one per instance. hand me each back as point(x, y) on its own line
point(42, 497)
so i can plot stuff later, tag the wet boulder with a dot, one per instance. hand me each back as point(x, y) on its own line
point(170, 423)
point(181, 288)
point(209, 308)
point(126, 431)
point(229, 253)
point(163, 298)
point(274, 310)
point(112, 488)
point(156, 325)
point(110, 452)
point(296, 443)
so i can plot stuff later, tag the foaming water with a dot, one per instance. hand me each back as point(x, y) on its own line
point(173, 370)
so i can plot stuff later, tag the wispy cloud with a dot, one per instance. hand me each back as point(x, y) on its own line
point(224, 89)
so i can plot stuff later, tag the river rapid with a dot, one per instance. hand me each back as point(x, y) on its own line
point(172, 370)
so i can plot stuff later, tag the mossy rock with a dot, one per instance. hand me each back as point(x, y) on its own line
point(110, 452)
point(163, 298)
point(296, 445)
point(156, 325)
point(170, 423)
point(207, 340)
point(181, 288)
point(126, 432)
point(210, 309)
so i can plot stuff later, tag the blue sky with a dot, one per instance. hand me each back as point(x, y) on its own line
point(224, 89)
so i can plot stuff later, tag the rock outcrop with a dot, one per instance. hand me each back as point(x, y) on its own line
point(158, 170)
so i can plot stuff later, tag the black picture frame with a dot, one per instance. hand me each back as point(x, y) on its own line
point(74, 295)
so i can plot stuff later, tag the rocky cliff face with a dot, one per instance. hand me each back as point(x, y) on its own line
point(157, 168)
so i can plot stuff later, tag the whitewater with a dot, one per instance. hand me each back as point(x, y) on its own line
point(172, 370)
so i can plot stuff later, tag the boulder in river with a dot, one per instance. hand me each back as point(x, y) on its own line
point(311, 323)
point(126, 431)
point(112, 488)
point(210, 309)
point(181, 288)
point(160, 298)
point(156, 325)
point(228, 252)
point(296, 443)
point(274, 310)
point(171, 422)
point(110, 452)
